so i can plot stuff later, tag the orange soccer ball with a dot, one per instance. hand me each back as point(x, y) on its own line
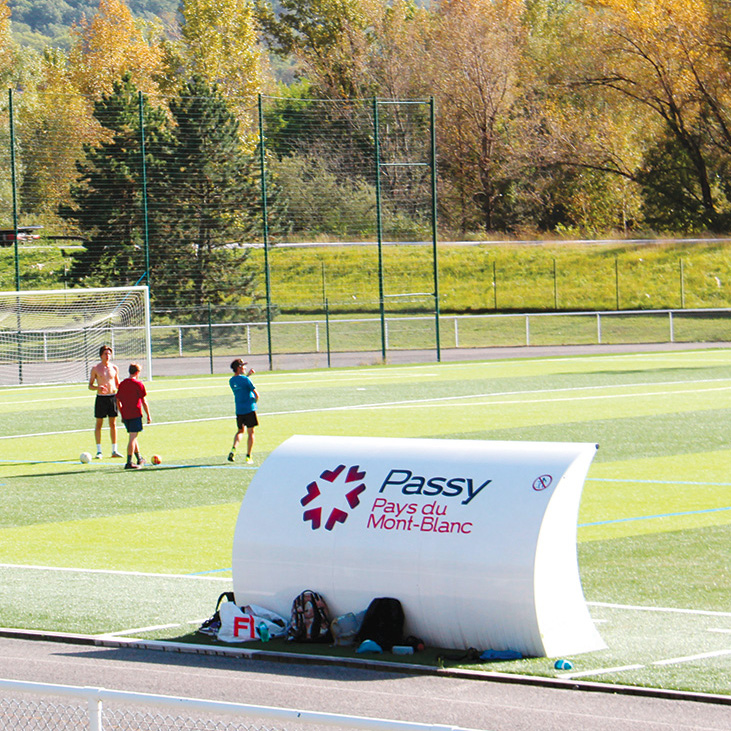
point(156, 459)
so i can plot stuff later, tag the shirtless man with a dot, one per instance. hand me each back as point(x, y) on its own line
point(104, 379)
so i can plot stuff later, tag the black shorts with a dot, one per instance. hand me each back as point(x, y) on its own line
point(249, 420)
point(105, 405)
point(134, 426)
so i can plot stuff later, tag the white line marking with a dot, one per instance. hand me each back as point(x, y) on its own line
point(722, 631)
point(495, 398)
point(113, 572)
point(600, 671)
point(137, 629)
point(690, 658)
point(638, 608)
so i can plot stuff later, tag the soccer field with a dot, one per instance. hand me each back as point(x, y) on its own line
point(96, 550)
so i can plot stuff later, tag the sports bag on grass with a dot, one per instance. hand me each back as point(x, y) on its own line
point(310, 620)
point(245, 624)
point(345, 627)
point(383, 623)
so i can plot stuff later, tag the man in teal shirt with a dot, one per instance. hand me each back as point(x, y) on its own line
point(246, 397)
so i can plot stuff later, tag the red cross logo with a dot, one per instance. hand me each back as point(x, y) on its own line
point(352, 483)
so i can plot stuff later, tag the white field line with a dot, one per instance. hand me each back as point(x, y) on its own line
point(113, 572)
point(152, 628)
point(691, 658)
point(495, 398)
point(672, 610)
point(712, 355)
point(600, 671)
point(721, 630)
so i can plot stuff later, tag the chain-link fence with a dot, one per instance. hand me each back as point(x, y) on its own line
point(180, 193)
point(34, 706)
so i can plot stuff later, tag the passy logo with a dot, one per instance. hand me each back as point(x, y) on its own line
point(349, 481)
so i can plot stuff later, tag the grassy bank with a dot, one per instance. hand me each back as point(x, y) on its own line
point(480, 278)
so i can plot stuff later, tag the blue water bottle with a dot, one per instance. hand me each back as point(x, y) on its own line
point(263, 632)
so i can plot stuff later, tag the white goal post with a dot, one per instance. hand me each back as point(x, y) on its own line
point(54, 336)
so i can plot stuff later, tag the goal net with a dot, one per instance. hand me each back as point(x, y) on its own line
point(54, 336)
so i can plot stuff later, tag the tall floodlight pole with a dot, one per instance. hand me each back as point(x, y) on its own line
point(379, 226)
point(434, 224)
point(265, 231)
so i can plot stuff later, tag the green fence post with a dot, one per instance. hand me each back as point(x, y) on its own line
point(265, 232)
point(379, 226)
point(435, 264)
point(210, 337)
point(145, 225)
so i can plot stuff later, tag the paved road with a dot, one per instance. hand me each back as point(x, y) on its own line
point(468, 703)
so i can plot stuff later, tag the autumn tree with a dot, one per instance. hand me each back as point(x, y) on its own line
point(221, 46)
point(114, 43)
point(667, 57)
point(473, 65)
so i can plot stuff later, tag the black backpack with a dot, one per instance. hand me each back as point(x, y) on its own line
point(383, 623)
point(310, 620)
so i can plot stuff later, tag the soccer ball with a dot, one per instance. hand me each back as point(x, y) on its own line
point(156, 459)
point(85, 458)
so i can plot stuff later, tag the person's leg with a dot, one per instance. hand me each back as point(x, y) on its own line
point(249, 441)
point(98, 436)
point(131, 448)
point(237, 439)
point(113, 435)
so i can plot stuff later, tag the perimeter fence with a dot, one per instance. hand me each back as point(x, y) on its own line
point(30, 706)
point(202, 197)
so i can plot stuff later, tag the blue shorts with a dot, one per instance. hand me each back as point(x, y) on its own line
point(134, 426)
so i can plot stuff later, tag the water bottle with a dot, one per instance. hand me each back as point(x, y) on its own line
point(263, 632)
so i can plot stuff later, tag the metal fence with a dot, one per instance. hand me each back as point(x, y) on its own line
point(354, 335)
point(29, 706)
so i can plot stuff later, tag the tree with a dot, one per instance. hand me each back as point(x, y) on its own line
point(668, 58)
point(474, 57)
point(114, 43)
point(107, 208)
point(221, 47)
point(204, 203)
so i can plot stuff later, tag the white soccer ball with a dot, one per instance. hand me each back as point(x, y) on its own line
point(85, 458)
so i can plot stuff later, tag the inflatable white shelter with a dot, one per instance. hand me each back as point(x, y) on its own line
point(477, 539)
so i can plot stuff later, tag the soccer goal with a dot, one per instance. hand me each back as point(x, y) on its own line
point(54, 336)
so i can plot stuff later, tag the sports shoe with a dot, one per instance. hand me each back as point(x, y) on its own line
point(141, 461)
point(231, 457)
point(249, 460)
point(114, 454)
point(98, 455)
point(131, 466)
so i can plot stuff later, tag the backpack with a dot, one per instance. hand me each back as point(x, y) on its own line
point(310, 621)
point(213, 623)
point(383, 623)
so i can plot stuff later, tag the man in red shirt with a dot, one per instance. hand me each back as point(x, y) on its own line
point(132, 399)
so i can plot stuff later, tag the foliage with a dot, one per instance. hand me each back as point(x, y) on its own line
point(107, 204)
point(204, 200)
point(221, 46)
point(114, 43)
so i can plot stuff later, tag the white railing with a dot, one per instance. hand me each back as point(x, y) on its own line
point(90, 706)
point(318, 327)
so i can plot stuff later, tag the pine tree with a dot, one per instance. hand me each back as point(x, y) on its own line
point(107, 204)
point(204, 203)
